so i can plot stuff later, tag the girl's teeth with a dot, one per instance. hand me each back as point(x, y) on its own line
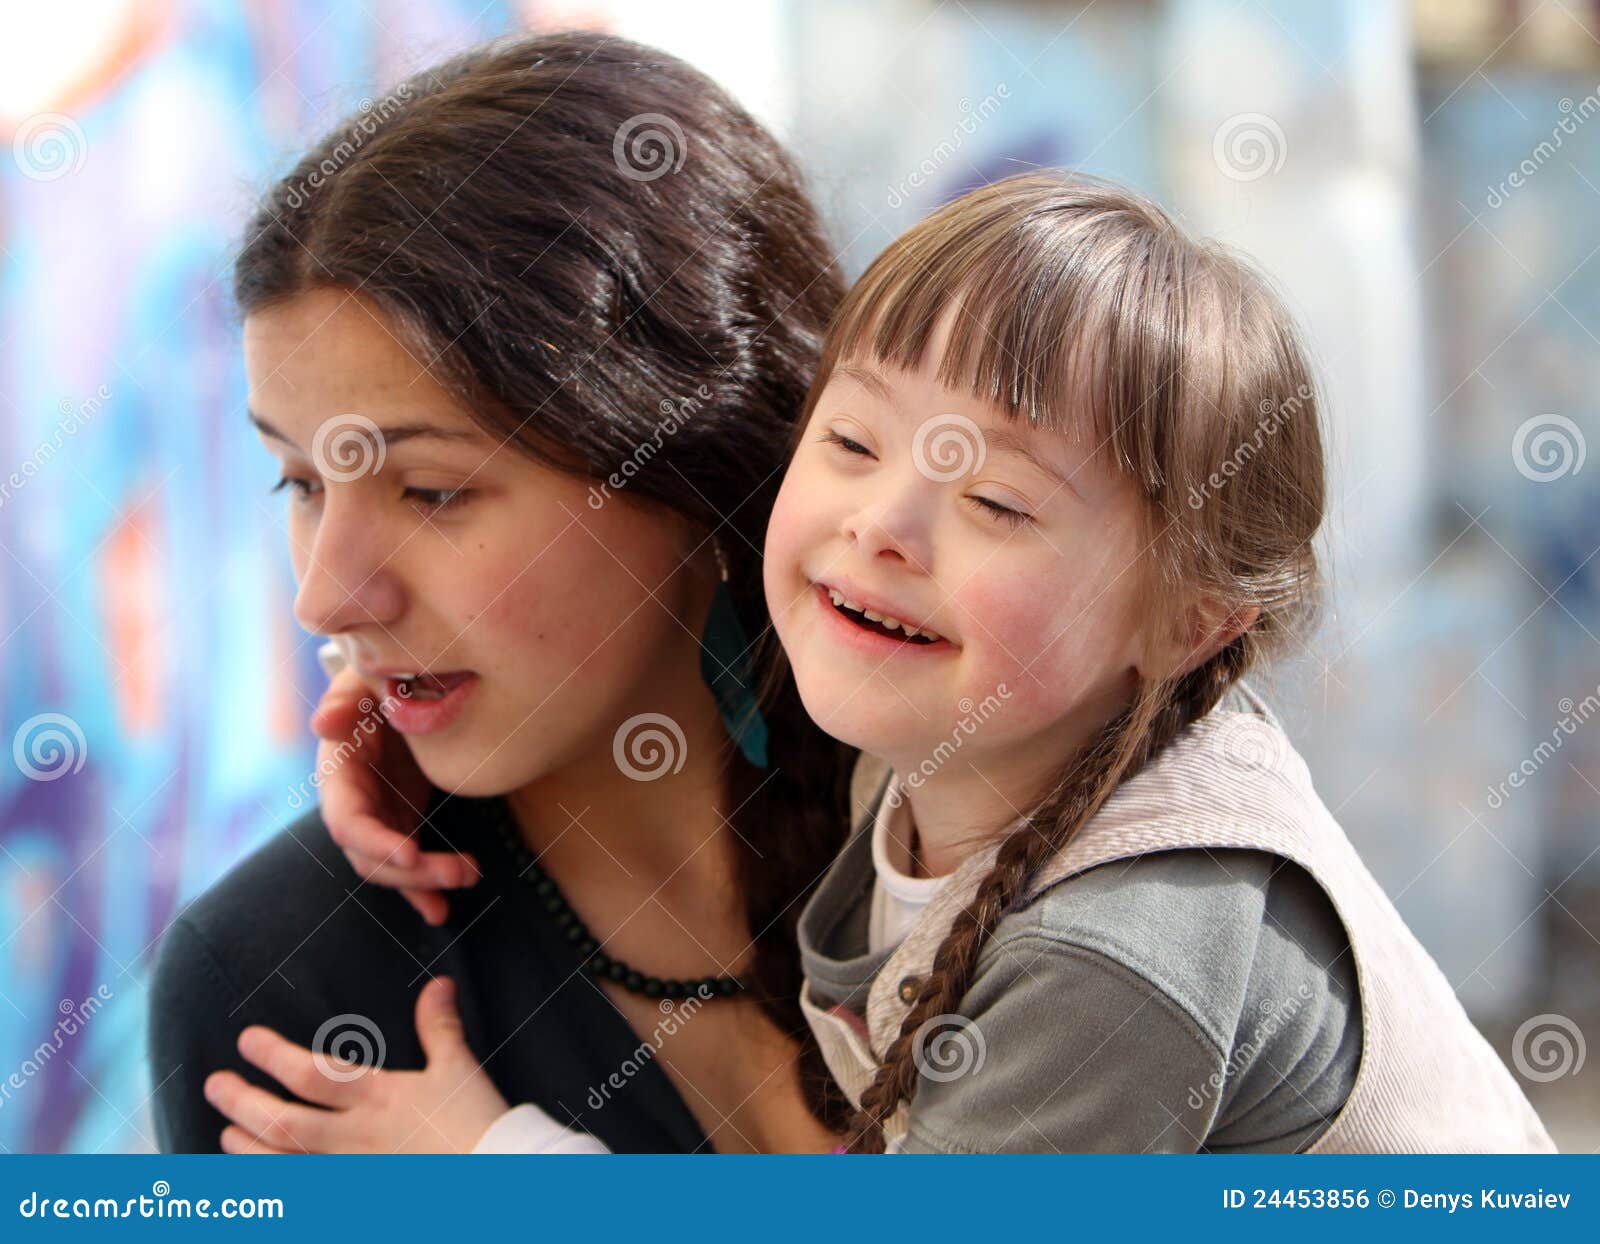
point(912, 632)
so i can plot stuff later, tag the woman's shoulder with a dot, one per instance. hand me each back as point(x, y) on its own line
point(297, 869)
point(294, 898)
point(288, 937)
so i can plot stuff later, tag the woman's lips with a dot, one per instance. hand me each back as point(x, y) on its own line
point(443, 699)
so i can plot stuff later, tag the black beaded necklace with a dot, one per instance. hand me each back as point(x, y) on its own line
point(596, 961)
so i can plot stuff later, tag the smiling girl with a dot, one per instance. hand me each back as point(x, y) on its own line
point(1101, 905)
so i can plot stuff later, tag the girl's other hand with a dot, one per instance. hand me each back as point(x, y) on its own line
point(444, 1108)
point(374, 796)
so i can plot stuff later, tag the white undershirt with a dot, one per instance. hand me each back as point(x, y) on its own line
point(897, 897)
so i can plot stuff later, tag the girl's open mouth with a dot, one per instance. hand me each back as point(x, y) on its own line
point(879, 634)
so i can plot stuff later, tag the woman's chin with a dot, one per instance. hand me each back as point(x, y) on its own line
point(460, 771)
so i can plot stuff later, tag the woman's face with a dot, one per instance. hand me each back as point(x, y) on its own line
point(428, 545)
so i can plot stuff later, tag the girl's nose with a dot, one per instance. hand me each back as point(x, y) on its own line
point(894, 526)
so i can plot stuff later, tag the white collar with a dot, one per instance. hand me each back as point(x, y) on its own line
point(891, 849)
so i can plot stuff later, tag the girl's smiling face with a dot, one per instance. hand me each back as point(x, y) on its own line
point(1016, 548)
point(426, 543)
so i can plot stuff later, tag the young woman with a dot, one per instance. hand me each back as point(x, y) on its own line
point(529, 346)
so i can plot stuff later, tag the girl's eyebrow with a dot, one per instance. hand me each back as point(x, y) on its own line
point(1007, 441)
point(869, 380)
point(392, 435)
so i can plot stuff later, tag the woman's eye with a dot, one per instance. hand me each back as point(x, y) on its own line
point(845, 443)
point(301, 487)
point(1002, 513)
point(437, 500)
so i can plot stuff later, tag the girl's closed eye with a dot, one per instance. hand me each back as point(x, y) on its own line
point(999, 512)
point(854, 448)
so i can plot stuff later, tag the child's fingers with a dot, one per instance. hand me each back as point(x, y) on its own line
point(284, 1125)
point(334, 719)
point(437, 871)
point(354, 828)
point(320, 1079)
point(433, 870)
point(339, 709)
point(236, 1140)
point(430, 904)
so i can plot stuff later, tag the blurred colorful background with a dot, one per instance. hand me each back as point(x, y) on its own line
point(1423, 180)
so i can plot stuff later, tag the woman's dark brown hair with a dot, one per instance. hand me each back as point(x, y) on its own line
point(583, 235)
point(1081, 307)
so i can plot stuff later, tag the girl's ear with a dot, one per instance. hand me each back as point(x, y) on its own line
point(1204, 629)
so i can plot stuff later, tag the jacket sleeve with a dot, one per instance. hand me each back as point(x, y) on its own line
point(1064, 1049)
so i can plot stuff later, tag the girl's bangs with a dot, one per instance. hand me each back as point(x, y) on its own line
point(1056, 322)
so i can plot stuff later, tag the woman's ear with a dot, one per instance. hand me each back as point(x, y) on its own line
point(1204, 628)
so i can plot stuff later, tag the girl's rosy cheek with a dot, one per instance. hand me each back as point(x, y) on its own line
point(1041, 645)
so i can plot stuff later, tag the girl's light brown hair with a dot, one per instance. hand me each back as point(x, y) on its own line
point(1082, 307)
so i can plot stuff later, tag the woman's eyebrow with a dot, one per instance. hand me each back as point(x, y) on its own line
point(393, 434)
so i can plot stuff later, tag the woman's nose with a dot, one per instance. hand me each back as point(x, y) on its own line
point(346, 579)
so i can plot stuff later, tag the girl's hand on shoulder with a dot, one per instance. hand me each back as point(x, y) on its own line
point(445, 1108)
point(374, 796)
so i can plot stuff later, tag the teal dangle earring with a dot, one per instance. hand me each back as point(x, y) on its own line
point(725, 665)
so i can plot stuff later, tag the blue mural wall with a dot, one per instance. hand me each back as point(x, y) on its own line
point(153, 684)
